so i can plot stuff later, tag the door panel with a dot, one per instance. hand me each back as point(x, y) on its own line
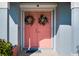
point(44, 35)
point(37, 35)
point(30, 34)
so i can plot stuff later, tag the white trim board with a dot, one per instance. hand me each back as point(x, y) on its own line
point(34, 7)
point(37, 10)
point(38, 5)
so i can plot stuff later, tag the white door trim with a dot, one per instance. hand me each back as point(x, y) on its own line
point(26, 8)
point(37, 6)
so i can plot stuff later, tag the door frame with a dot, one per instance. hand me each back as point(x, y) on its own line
point(43, 7)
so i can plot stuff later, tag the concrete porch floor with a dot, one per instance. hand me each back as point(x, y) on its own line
point(44, 53)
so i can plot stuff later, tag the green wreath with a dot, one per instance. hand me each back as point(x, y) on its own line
point(43, 20)
point(29, 20)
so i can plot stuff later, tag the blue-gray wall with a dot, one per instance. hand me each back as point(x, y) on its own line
point(63, 14)
point(63, 28)
point(14, 18)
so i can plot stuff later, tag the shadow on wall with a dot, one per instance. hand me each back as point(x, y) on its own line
point(63, 28)
point(63, 14)
point(14, 17)
point(15, 12)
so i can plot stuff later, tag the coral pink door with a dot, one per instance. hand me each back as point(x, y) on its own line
point(37, 35)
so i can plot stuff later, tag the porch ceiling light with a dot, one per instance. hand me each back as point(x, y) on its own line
point(37, 5)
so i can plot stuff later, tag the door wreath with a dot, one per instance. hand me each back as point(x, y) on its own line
point(29, 20)
point(43, 20)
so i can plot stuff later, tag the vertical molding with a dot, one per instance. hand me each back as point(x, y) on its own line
point(8, 25)
point(20, 34)
point(72, 14)
point(8, 8)
point(52, 39)
point(23, 28)
point(21, 31)
point(54, 29)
